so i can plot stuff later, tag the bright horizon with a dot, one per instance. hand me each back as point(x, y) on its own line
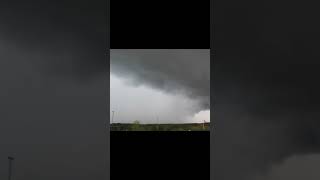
point(174, 106)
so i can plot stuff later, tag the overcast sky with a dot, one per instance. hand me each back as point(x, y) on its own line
point(53, 102)
point(145, 85)
point(266, 90)
point(296, 167)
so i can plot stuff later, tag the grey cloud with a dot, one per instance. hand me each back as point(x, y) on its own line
point(72, 33)
point(183, 71)
point(266, 90)
point(295, 168)
point(53, 99)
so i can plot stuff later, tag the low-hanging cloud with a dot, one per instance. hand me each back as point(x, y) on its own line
point(266, 90)
point(295, 168)
point(183, 71)
point(73, 35)
point(53, 102)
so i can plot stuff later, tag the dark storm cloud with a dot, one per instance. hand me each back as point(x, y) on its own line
point(52, 121)
point(265, 86)
point(303, 166)
point(73, 32)
point(172, 70)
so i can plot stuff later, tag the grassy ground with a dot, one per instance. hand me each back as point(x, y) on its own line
point(160, 127)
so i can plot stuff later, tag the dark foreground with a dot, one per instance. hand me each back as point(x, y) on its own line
point(160, 127)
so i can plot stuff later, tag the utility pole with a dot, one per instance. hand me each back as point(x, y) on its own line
point(157, 123)
point(204, 121)
point(112, 117)
point(10, 167)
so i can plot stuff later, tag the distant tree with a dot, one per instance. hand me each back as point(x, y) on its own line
point(136, 126)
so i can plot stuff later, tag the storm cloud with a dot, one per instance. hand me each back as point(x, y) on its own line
point(73, 35)
point(175, 71)
point(265, 90)
point(53, 103)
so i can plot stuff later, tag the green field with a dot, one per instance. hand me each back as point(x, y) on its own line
point(159, 127)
